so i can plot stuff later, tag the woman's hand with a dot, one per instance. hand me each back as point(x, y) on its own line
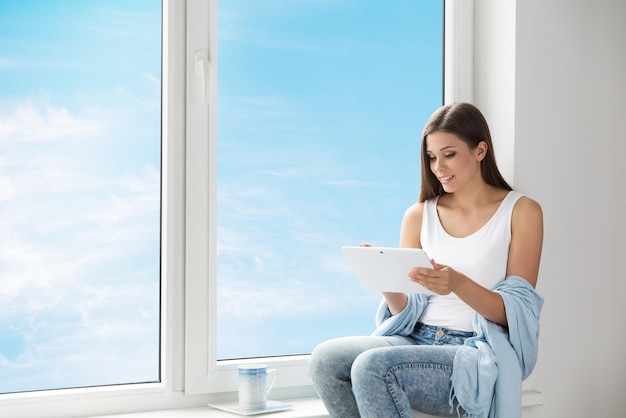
point(442, 280)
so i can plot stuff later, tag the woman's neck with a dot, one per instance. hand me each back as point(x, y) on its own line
point(474, 197)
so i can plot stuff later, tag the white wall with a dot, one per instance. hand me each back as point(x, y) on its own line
point(568, 109)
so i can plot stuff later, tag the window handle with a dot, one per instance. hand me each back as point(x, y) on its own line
point(203, 70)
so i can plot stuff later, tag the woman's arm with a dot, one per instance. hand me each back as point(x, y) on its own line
point(523, 260)
point(409, 238)
point(526, 240)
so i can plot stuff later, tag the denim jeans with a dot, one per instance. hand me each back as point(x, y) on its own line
point(385, 377)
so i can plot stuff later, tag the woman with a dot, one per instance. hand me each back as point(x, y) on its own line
point(477, 231)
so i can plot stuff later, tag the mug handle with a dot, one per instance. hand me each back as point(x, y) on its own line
point(274, 374)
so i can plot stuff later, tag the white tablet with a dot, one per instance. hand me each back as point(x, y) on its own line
point(386, 269)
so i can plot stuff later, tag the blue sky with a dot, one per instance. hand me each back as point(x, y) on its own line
point(320, 110)
point(79, 192)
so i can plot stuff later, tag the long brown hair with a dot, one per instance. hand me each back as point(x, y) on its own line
point(469, 124)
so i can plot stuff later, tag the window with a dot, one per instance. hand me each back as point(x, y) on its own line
point(206, 373)
point(319, 113)
point(80, 190)
point(188, 305)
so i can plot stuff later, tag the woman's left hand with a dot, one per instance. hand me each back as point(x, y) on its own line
point(442, 280)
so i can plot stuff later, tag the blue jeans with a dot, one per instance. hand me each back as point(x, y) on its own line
point(387, 376)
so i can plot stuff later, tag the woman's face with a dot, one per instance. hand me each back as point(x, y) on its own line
point(452, 161)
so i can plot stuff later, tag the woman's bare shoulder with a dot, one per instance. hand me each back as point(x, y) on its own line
point(526, 208)
point(415, 211)
point(527, 220)
point(412, 226)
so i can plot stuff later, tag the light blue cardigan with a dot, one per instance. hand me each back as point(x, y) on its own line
point(489, 368)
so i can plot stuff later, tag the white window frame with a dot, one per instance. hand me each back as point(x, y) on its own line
point(458, 79)
point(190, 373)
point(203, 373)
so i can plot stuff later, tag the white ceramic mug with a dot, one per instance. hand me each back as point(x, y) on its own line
point(254, 387)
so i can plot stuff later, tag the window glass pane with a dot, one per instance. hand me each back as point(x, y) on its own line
point(320, 112)
point(80, 112)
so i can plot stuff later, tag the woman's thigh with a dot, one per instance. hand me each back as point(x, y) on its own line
point(404, 378)
point(330, 368)
point(337, 355)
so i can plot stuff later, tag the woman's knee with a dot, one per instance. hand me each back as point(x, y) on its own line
point(320, 358)
point(335, 357)
point(332, 357)
point(371, 365)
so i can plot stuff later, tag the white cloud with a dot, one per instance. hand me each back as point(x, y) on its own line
point(357, 183)
point(27, 268)
point(8, 63)
point(78, 249)
point(131, 197)
point(265, 300)
point(151, 78)
point(6, 187)
point(33, 120)
point(123, 92)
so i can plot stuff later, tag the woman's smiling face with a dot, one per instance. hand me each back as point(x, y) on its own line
point(452, 161)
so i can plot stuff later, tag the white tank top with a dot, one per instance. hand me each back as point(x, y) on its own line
point(481, 256)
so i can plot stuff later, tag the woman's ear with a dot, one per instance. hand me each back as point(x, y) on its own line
point(481, 150)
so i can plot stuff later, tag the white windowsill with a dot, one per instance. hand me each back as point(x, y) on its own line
point(303, 408)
